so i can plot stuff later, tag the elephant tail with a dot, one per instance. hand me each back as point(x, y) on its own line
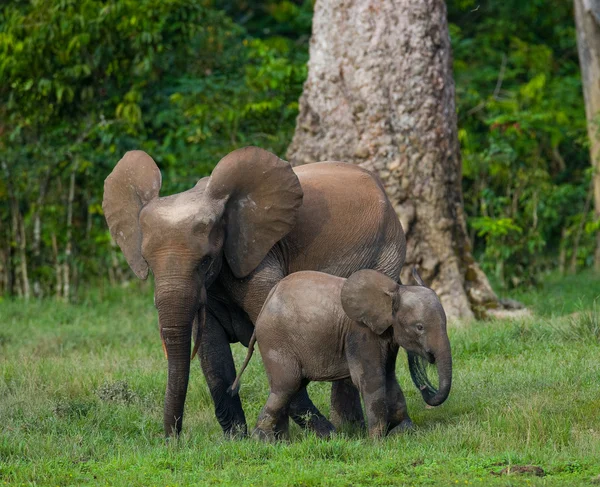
point(234, 388)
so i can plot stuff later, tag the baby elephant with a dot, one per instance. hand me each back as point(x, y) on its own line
point(318, 327)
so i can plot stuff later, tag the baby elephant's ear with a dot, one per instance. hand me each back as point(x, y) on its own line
point(371, 297)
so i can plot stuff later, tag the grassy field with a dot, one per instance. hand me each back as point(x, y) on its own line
point(81, 391)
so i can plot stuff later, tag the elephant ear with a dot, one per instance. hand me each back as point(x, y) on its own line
point(134, 182)
point(371, 298)
point(262, 195)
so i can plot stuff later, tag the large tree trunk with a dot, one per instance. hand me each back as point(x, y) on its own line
point(587, 20)
point(380, 93)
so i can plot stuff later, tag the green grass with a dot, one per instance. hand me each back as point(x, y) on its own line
point(561, 295)
point(81, 391)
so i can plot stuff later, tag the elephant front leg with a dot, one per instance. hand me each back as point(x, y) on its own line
point(346, 407)
point(219, 370)
point(377, 412)
point(372, 387)
point(306, 415)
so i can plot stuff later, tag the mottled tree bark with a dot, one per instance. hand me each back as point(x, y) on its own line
point(380, 93)
point(587, 20)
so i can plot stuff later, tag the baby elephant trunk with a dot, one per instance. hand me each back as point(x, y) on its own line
point(418, 372)
point(234, 389)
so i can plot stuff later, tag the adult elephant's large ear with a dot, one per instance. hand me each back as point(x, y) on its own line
point(371, 298)
point(261, 194)
point(134, 181)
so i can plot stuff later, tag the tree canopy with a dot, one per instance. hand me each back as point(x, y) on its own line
point(83, 81)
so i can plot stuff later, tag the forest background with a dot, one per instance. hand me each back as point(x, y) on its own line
point(82, 82)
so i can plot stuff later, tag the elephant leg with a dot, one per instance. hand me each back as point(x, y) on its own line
point(284, 382)
point(282, 427)
point(372, 385)
point(306, 415)
point(272, 423)
point(345, 404)
point(219, 370)
point(398, 418)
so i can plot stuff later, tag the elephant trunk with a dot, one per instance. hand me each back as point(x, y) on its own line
point(418, 372)
point(176, 313)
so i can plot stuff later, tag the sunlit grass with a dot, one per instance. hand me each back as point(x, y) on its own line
point(81, 391)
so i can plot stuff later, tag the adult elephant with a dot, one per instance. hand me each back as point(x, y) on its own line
point(217, 250)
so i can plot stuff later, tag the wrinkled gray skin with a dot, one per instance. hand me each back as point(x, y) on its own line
point(317, 327)
point(217, 250)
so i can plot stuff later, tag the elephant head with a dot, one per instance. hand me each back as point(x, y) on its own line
point(249, 203)
point(416, 317)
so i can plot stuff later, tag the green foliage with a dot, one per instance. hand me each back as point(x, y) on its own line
point(522, 134)
point(568, 294)
point(85, 81)
point(188, 81)
point(82, 389)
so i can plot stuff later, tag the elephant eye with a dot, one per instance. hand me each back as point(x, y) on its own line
point(205, 262)
point(420, 327)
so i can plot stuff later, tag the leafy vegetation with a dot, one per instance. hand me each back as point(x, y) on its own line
point(87, 80)
point(81, 392)
point(522, 133)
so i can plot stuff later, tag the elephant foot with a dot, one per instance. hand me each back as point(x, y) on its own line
point(405, 426)
point(350, 423)
point(269, 436)
point(236, 432)
point(317, 423)
point(320, 426)
point(264, 435)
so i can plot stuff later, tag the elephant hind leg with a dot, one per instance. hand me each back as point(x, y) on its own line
point(346, 408)
point(398, 418)
point(307, 416)
point(397, 411)
point(273, 420)
point(219, 370)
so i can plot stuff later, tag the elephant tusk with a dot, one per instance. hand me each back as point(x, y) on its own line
point(195, 350)
point(164, 345)
point(200, 319)
point(165, 348)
